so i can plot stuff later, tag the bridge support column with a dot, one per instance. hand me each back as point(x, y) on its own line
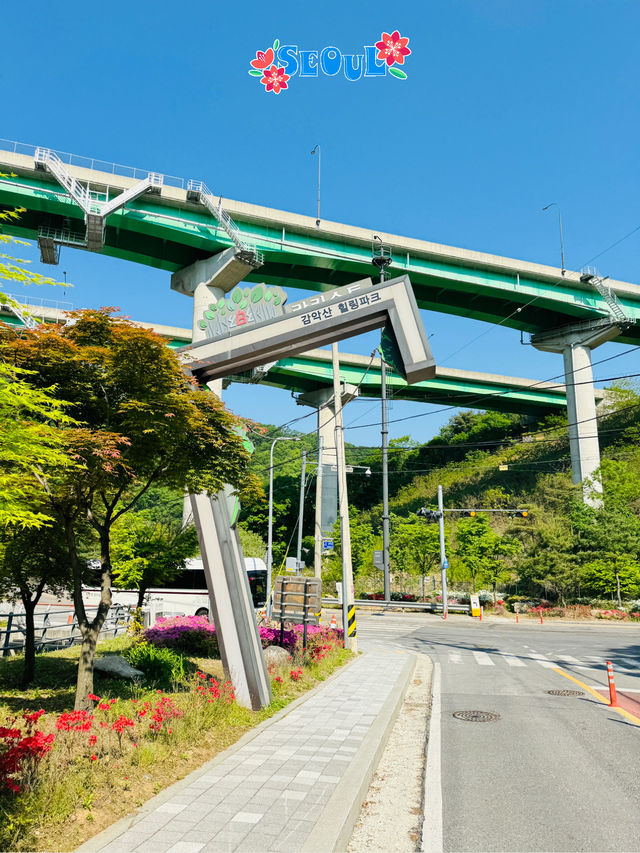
point(327, 478)
point(230, 601)
point(576, 344)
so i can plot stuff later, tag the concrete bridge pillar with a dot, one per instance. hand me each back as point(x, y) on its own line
point(576, 344)
point(327, 478)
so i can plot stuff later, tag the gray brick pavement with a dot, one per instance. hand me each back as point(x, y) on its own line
point(269, 794)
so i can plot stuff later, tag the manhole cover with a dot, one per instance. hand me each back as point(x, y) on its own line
point(565, 692)
point(476, 716)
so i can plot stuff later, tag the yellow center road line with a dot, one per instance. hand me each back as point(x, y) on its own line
point(620, 711)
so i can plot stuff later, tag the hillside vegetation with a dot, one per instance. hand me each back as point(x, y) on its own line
point(563, 551)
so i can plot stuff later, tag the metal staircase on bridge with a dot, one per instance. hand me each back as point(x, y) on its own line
point(199, 192)
point(618, 315)
point(16, 309)
point(95, 210)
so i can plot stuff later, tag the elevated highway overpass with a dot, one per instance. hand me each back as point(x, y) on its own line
point(312, 371)
point(180, 226)
point(163, 222)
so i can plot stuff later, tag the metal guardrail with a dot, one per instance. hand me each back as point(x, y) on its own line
point(427, 606)
point(91, 163)
point(68, 633)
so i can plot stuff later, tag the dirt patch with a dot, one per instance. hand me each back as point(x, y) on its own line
point(391, 815)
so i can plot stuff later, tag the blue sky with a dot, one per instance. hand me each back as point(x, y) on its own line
point(508, 106)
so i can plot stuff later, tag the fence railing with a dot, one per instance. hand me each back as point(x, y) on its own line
point(57, 629)
point(428, 606)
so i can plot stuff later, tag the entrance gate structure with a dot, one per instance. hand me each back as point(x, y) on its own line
point(238, 345)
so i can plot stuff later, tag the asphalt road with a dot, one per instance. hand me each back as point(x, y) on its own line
point(553, 773)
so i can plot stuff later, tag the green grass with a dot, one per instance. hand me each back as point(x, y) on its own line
point(77, 796)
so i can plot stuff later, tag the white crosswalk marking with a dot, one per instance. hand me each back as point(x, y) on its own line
point(542, 660)
point(483, 659)
point(455, 657)
point(632, 662)
point(568, 659)
point(512, 660)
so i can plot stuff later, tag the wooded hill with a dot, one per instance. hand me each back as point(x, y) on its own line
point(562, 550)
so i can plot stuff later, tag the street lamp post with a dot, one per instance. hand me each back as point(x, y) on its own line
point(381, 258)
point(546, 207)
point(270, 528)
point(319, 152)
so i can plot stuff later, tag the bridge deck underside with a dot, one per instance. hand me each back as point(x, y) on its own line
point(300, 374)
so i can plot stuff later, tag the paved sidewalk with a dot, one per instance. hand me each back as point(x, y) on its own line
point(296, 783)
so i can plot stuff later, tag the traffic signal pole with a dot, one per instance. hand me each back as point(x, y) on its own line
point(431, 516)
point(443, 555)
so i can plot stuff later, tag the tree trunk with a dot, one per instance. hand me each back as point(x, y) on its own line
point(142, 591)
point(618, 590)
point(84, 685)
point(29, 671)
point(495, 598)
point(29, 605)
point(90, 630)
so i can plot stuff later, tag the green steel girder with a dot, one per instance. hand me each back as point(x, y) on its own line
point(301, 373)
point(312, 371)
point(169, 235)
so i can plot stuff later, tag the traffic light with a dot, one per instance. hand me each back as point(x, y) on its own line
point(468, 513)
point(430, 515)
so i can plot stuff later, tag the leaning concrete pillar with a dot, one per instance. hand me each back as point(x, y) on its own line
point(230, 601)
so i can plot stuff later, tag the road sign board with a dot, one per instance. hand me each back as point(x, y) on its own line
point(378, 559)
point(327, 544)
point(297, 599)
point(445, 564)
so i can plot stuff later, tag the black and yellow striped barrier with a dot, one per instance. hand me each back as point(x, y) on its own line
point(351, 621)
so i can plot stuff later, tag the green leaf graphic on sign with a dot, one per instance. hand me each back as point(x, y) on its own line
point(256, 296)
point(236, 296)
point(276, 44)
point(255, 73)
point(398, 73)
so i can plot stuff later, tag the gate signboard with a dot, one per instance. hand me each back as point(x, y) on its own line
point(313, 322)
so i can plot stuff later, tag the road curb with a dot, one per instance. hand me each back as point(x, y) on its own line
point(97, 842)
point(335, 825)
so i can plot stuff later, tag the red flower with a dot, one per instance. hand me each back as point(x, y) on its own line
point(94, 757)
point(275, 79)
point(392, 48)
point(92, 740)
point(263, 59)
point(93, 697)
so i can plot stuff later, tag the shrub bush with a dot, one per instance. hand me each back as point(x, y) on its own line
point(191, 635)
point(578, 611)
point(160, 664)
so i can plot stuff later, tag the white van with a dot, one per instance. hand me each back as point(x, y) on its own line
point(187, 594)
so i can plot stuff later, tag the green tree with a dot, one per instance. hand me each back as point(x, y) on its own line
point(142, 423)
point(31, 441)
point(149, 549)
point(483, 552)
point(414, 546)
point(253, 545)
point(613, 575)
point(32, 559)
point(610, 538)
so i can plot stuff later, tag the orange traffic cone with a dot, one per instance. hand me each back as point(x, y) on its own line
point(334, 623)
